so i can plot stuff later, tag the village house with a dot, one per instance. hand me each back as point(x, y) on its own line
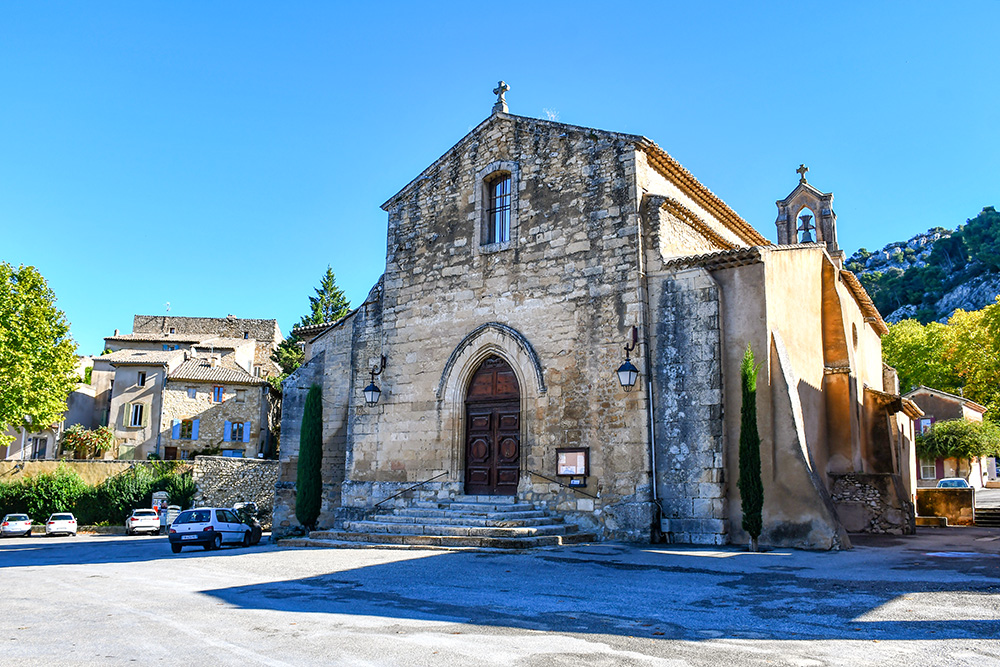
point(937, 406)
point(177, 386)
point(527, 267)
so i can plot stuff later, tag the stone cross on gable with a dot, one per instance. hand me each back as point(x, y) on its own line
point(500, 91)
point(801, 171)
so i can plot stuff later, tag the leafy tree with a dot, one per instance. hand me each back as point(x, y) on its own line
point(329, 304)
point(959, 439)
point(85, 442)
point(750, 485)
point(288, 355)
point(309, 480)
point(918, 353)
point(37, 356)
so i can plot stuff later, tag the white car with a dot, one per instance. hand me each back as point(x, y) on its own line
point(16, 524)
point(208, 527)
point(143, 521)
point(62, 523)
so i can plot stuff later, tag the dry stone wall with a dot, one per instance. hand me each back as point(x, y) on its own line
point(871, 503)
point(222, 481)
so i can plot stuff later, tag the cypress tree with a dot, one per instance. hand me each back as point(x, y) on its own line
point(751, 487)
point(309, 480)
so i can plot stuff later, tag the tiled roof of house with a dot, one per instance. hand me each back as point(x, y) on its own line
point(222, 343)
point(944, 394)
point(159, 337)
point(201, 370)
point(140, 357)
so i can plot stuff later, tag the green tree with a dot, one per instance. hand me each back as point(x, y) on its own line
point(982, 237)
point(959, 439)
point(309, 480)
point(750, 485)
point(329, 304)
point(37, 355)
point(918, 353)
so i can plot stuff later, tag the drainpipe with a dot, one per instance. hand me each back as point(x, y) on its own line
point(642, 288)
point(159, 417)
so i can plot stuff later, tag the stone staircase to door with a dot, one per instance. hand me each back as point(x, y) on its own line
point(499, 522)
point(988, 516)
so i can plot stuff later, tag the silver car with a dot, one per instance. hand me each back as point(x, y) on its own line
point(61, 523)
point(16, 524)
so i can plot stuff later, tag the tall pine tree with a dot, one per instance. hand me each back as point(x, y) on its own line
point(751, 487)
point(329, 304)
point(309, 479)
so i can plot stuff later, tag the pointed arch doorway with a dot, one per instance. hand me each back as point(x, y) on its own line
point(492, 430)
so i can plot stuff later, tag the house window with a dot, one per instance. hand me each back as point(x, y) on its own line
point(237, 432)
point(173, 330)
point(498, 209)
point(38, 446)
point(927, 469)
point(217, 394)
point(136, 414)
point(187, 427)
point(241, 395)
point(169, 348)
point(192, 392)
point(142, 379)
point(246, 335)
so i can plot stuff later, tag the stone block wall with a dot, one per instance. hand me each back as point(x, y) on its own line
point(871, 503)
point(222, 481)
point(688, 414)
point(212, 416)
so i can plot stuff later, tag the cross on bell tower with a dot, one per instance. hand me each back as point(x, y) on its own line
point(797, 225)
point(500, 91)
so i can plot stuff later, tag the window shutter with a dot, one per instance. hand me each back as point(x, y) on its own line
point(246, 431)
point(127, 415)
point(194, 429)
point(175, 429)
point(145, 415)
point(227, 432)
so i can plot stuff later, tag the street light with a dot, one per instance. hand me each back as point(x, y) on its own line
point(627, 372)
point(372, 392)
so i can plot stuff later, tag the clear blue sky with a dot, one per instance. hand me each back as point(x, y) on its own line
point(219, 155)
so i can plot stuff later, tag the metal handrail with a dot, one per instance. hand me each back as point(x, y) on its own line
point(565, 486)
point(385, 500)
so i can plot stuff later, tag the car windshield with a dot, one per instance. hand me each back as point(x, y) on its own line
point(144, 513)
point(62, 517)
point(194, 516)
point(953, 484)
point(16, 517)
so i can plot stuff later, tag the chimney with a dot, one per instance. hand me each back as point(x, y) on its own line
point(116, 332)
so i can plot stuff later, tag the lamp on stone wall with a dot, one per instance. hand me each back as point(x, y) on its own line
point(627, 372)
point(372, 392)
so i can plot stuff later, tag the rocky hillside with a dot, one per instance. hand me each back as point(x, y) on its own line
point(934, 273)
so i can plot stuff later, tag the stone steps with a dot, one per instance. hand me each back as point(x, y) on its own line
point(988, 516)
point(468, 522)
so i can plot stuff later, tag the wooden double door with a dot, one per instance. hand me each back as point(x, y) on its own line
point(493, 430)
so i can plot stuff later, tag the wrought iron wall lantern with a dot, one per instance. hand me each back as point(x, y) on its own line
point(627, 372)
point(372, 392)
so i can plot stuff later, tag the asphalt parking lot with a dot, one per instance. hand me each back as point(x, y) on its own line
point(932, 599)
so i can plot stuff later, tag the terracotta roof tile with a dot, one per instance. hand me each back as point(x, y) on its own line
point(200, 370)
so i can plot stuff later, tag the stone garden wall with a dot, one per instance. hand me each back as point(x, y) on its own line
point(871, 503)
point(222, 481)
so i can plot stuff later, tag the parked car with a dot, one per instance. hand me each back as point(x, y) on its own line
point(208, 527)
point(16, 524)
point(247, 512)
point(143, 521)
point(952, 483)
point(62, 523)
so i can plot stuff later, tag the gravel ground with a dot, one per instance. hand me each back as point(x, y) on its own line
point(929, 599)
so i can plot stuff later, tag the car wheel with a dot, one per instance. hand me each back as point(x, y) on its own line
point(128, 531)
point(176, 548)
point(217, 542)
point(246, 539)
point(73, 534)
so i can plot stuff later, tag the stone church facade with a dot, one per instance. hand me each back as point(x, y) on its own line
point(518, 265)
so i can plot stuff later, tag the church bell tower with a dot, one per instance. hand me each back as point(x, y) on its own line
point(797, 225)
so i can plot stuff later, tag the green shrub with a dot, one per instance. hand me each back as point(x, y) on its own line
point(47, 493)
point(959, 439)
point(309, 480)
